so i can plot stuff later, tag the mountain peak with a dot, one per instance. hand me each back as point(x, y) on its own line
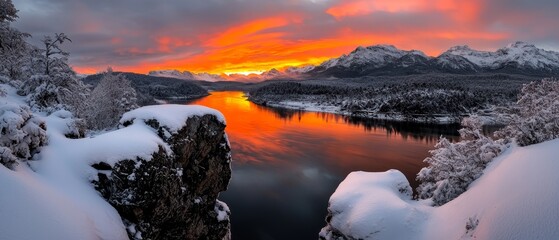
point(384, 47)
point(520, 44)
point(518, 57)
point(460, 48)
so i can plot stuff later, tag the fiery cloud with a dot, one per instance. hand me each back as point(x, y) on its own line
point(246, 36)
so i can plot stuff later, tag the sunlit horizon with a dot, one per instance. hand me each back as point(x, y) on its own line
point(250, 37)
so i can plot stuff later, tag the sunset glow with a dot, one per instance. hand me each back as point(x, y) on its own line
point(245, 37)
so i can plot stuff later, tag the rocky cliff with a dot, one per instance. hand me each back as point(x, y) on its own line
point(174, 194)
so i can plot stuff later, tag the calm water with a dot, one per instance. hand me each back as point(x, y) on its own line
point(286, 163)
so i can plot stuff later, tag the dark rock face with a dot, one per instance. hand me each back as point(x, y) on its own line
point(174, 196)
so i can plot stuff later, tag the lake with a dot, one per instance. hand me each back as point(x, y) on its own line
point(287, 163)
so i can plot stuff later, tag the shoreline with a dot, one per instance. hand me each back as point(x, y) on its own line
point(489, 119)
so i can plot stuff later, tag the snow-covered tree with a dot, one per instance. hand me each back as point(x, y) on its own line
point(22, 134)
point(112, 97)
point(52, 93)
point(14, 54)
point(453, 166)
point(13, 48)
point(8, 13)
point(54, 58)
point(537, 118)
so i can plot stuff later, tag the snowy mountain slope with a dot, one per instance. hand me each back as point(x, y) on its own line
point(287, 73)
point(517, 58)
point(514, 199)
point(519, 55)
point(479, 58)
point(448, 62)
point(186, 75)
point(376, 56)
point(172, 74)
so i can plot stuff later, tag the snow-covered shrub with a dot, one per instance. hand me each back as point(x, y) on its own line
point(69, 125)
point(112, 97)
point(453, 166)
point(52, 93)
point(21, 134)
point(537, 117)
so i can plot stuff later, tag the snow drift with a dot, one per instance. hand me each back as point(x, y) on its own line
point(50, 195)
point(515, 198)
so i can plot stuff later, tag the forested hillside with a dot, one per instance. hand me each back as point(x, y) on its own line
point(417, 97)
point(150, 87)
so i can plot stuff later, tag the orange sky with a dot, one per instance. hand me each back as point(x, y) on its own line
point(253, 36)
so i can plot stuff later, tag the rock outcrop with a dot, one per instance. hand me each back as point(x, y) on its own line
point(174, 194)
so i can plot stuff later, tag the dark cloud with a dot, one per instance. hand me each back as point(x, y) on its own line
point(142, 34)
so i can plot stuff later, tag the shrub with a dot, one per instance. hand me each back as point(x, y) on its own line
point(21, 134)
point(537, 114)
point(453, 166)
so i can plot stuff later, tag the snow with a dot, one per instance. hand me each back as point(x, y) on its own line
point(137, 140)
point(516, 198)
point(524, 54)
point(455, 62)
point(376, 206)
point(222, 211)
point(31, 209)
point(51, 197)
point(186, 75)
point(11, 96)
point(172, 116)
point(378, 55)
point(64, 171)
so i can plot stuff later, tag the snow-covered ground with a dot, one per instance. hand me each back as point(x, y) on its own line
point(51, 196)
point(516, 198)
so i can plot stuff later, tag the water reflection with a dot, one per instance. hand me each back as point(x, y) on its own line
point(418, 131)
point(287, 163)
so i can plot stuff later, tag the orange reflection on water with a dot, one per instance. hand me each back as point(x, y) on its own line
point(287, 163)
point(262, 135)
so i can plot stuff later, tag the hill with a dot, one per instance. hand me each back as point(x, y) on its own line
point(150, 88)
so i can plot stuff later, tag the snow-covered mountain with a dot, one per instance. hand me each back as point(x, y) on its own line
point(516, 58)
point(518, 55)
point(375, 56)
point(372, 60)
point(288, 73)
point(186, 75)
point(448, 62)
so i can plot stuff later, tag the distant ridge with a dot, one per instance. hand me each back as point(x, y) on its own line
point(516, 58)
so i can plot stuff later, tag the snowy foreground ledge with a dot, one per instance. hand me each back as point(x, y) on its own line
point(91, 188)
point(172, 116)
point(516, 198)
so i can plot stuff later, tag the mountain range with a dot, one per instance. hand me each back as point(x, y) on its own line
point(516, 58)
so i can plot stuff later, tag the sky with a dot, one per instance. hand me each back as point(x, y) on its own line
point(247, 36)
